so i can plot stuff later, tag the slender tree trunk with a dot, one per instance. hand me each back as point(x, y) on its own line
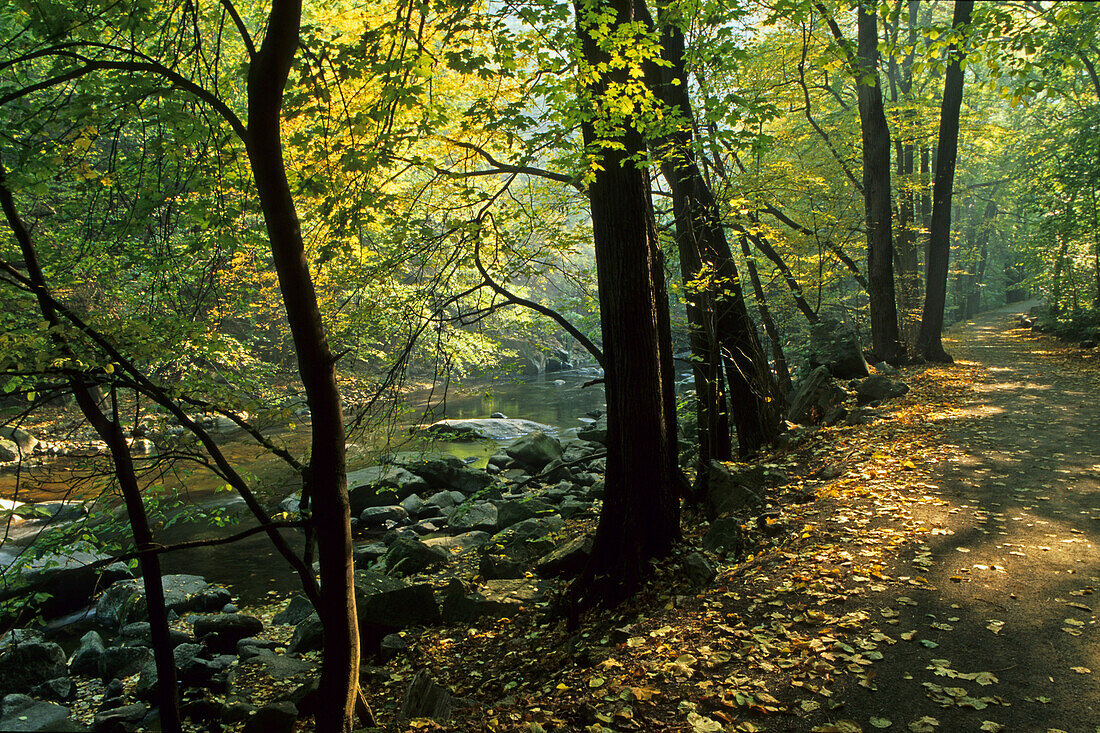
point(326, 479)
point(640, 516)
point(1056, 284)
point(110, 431)
point(753, 393)
point(885, 341)
point(781, 369)
point(939, 235)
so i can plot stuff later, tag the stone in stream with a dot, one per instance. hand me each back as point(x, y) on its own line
point(493, 428)
point(85, 660)
point(24, 713)
point(441, 471)
point(879, 387)
point(595, 432)
point(834, 345)
point(529, 539)
point(25, 443)
point(124, 601)
point(71, 579)
point(26, 661)
point(9, 451)
point(535, 450)
point(377, 516)
point(511, 512)
point(381, 486)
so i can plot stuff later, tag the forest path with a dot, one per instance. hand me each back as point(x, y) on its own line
point(1011, 562)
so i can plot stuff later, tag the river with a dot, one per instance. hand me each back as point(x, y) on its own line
point(251, 567)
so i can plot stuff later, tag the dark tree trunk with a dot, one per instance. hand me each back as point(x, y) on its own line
point(110, 431)
point(325, 480)
point(885, 341)
point(939, 235)
point(782, 371)
point(753, 393)
point(640, 517)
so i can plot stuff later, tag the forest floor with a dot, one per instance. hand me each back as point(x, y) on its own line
point(942, 576)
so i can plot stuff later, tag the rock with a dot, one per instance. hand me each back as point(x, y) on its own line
point(481, 516)
point(51, 512)
point(462, 605)
point(124, 601)
point(412, 504)
point(835, 345)
point(71, 578)
point(494, 428)
point(388, 605)
point(529, 539)
point(555, 470)
point(498, 567)
point(23, 713)
point(445, 499)
point(426, 699)
point(9, 451)
point(366, 555)
point(295, 611)
point(441, 471)
point(408, 556)
point(193, 670)
point(879, 387)
point(571, 508)
point(376, 516)
point(251, 646)
point(566, 559)
point(273, 667)
point(814, 397)
point(698, 570)
point(731, 489)
point(25, 443)
point(308, 635)
point(884, 368)
point(123, 718)
point(381, 486)
point(724, 536)
point(59, 689)
point(221, 632)
point(292, 504)
point(511, 512)
point(596, 432)
point(140, 632)
point(459, 543)
point(238, 711)
point(122, 661)
point(275, 717)
point(29, 662)
point(85, 660)
point(535, 450)
point(862, 416)
point(393, 645)
point(520, 591)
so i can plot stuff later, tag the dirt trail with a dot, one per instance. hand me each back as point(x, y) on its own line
point(1012, 562)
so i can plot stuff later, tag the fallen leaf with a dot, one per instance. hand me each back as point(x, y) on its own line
point(927, 724)
point(703, 724)
point(1081, 670)
point(880, 722)
point(988, 726)
point(840, 726)
point(995, 626)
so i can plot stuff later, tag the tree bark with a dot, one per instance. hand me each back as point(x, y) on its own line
point(754, 396)
point(640, 516)
point(885, 341)
point(110, 431)
point(939, 236)
point(783, 373)
point(325, 480)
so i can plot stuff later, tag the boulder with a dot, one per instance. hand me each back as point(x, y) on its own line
point(221, 632)
point(125, 717)
point(463, 605)
point(814, 396)
point(122, 661)
point(392, 645)
point(124, 601)
point(71, 579)
point(295, 611)
point(441, 471)
point(835, 345)
point(535, 450)
point(595, 432)
point(308, 635)
point(24, 441)
point(59, 689)
point(28, 661)
point(499, 567)
point(412, 504)
point(426, 699)
point(480, 516)
point(275, 717)
point(384, 602)
point(698, 570)
point(23, 713)
point(568, 558)
point(140, 632)
point(9, 451)
point(381, 486)
point(511, 512)
point(85, 660)
point(730, 489)
point(377, 516)
point(724, 536)
point(408, 555)
point(445, 500)
point(493, 428)
point(529, 539)
point(273, 667)
point(879, 387)
point(459, 543)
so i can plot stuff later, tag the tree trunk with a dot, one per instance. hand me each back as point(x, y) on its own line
point(640, 517)
point(885, 341)
point(326, 478)
point(939, 235)
point(753, 393)
point(110, 431)
point(781, 370)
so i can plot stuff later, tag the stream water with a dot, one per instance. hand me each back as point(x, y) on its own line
point(251, 567)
